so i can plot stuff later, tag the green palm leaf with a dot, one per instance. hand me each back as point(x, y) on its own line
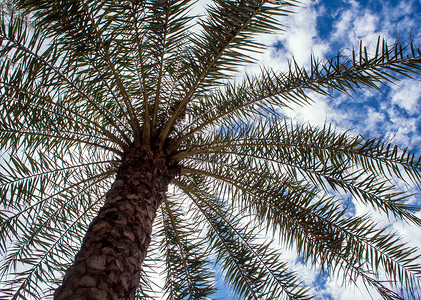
point(253, 269)
point(107, 107)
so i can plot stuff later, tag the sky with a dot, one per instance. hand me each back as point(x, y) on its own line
point(322, 28)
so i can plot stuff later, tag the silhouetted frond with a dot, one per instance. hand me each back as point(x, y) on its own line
point(85, 85)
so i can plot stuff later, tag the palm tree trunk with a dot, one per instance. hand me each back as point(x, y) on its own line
point(109, 262)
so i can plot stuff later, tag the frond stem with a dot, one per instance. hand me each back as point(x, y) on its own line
point(202, 75)
point(183, 257)
point(126, 99)
point(192, 196)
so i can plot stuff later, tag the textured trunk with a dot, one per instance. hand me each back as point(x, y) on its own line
point(109, 262)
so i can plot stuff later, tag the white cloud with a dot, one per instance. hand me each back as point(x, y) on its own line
point(300, 39)
point(357, 24)
point(343, 25)
point(407, 94)
point(334, 289)
point(401, 129)
point(316, 113)
point(374, 120)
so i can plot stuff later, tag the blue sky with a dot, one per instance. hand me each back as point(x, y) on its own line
point(323, 28)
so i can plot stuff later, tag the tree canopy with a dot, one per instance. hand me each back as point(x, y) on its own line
point(87, 81)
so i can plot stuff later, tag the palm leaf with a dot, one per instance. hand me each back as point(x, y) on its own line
point(88, 84)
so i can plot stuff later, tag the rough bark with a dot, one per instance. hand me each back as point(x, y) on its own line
point(109, 262)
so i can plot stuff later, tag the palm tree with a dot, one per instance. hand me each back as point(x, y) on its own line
point(123, 132)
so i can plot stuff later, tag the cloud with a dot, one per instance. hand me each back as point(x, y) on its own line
point(407, 96)
point(335, 290)
point(299, 38)
point(317, 113)
point(360, 24)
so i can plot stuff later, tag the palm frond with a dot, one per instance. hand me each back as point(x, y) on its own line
point(89, 85)
point(321, 156)
point(28, 66)
point(226, 37)
point(33, 185)
point(271, 90)
point(47, 244)
point(187, 268)
point(318, 227)
point(253, 268)
point(169, 25)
